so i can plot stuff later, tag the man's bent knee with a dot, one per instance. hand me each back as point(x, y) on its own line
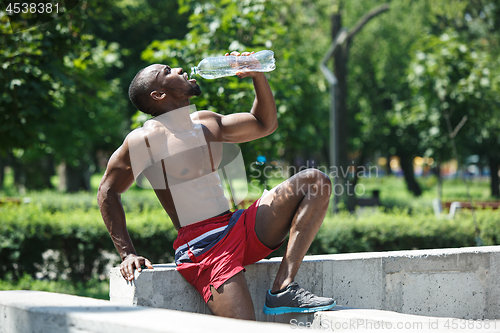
point(314, 174)
point(318, 183)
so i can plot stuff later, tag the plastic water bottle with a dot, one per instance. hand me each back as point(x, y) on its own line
point(215, 67)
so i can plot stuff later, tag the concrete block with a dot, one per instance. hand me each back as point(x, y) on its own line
point(310, 276)
point(392, 296)
point(259, 280)
point(121, 291)
point(328, 284)
point(438, 262)
point(358, 283)
point(473, 261)
point(161, 287)
point(42, 312)
point(448, 282)
point(493, 287)
point(460, 282)
point(447, 294)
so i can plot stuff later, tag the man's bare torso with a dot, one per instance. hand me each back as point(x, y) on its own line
point(179, 156)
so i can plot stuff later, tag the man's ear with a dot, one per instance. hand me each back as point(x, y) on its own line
point(158, 95)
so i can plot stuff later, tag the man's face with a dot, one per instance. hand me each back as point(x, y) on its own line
point(174, 81)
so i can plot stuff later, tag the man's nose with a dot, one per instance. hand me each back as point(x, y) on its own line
point(180, 71)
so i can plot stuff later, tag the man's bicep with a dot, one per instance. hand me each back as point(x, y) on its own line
point(241, 127)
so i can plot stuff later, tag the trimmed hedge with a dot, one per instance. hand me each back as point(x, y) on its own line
point(50, 200)
point(81, 239)
point(94, 288)
point(401, 230)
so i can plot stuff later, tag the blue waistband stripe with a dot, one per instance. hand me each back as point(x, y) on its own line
point(205, 242)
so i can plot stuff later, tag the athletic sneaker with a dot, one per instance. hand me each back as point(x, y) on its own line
point(295, 299)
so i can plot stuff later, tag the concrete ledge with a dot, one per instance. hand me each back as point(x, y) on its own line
point(42, 312)
point(459, 283)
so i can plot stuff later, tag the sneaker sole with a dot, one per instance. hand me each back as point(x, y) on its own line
point(286, 309)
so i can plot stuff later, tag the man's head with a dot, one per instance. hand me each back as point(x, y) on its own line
point(158, 89)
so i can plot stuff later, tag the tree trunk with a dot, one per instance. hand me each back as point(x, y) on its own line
point(340, 69)
point(494, 184)
point(406, 162)
point(439, 181)
point(341, 135)
point(38, 173)
point(388, 168)
point(3, 164)
point(19, 174)
point(351, 195)
point(341, 56)
point(77, 178)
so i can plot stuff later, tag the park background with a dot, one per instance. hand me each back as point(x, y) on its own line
point(420, 101)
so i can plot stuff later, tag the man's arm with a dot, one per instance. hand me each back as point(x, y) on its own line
point(116, 180)
point(261, 121)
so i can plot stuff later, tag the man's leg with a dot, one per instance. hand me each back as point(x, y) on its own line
point(232, 299)
point(296, 206)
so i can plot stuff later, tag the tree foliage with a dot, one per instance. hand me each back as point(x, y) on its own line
point(455, 80)
point(402, 62)
point(449, 79)
point(64, 87)
point(56, 101)
point(64, 84)
point(294, 34)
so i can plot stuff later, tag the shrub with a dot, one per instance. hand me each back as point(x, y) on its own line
point(94, 288)
point(79, 239)
point(133, 200)
point(398, 229)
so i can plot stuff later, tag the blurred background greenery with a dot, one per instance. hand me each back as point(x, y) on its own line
point(415, 73)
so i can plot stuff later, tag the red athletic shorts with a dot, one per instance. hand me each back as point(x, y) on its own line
point(210, 252)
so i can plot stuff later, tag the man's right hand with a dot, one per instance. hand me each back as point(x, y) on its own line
point(132, 262)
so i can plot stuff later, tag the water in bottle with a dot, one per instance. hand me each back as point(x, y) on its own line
point(215, 67)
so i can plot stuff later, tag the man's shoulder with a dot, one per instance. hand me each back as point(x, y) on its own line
point(138, 134)
point(135, 133)
point(210, 119)
point(205, 115)
point(133, 137)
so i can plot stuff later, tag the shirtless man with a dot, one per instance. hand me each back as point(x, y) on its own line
point(177, 152)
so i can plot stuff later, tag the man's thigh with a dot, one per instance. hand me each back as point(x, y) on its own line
point(278, 207)
point(232, 299)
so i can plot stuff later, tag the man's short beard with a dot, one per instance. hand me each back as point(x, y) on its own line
point(194, 90)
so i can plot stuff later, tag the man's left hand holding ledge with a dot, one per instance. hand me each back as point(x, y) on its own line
point(132, 262)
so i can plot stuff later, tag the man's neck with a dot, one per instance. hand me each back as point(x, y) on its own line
point(170, 106)
point(178, 119)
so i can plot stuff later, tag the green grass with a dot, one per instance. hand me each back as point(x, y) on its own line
point(393, 192)
point(95, 289)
